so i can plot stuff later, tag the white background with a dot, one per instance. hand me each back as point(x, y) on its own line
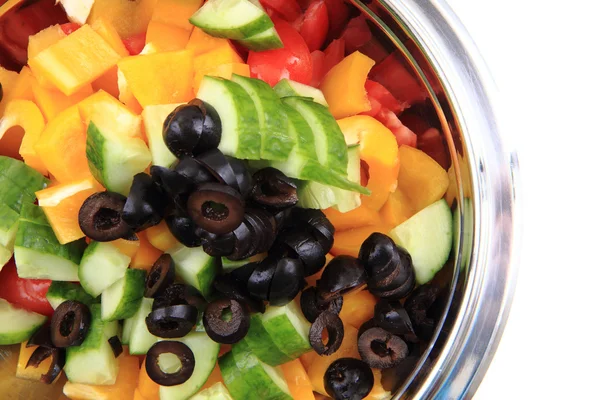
point(545, 56)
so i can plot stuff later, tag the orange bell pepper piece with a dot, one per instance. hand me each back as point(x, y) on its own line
point(61, 204)
point(201, 42)
point(379, 151)
point(128, 17)
point(297, 380)
point(397, 209)
point(110, 114)
point(146, 386)
point(138, 396)
point(8, 79)
point(44, 39)
point(161, 237)
point(31, 373)
point(127, 247)
point(422, 179)
point(359, 217)
point(147, 254)
point(344, 86)
point(22, 89)
point(52, 101)
point(224, 71)
point(167, 37)
point(110, 34)
point(358, 308)
point(349, 242)
point(176, 12)
point(108, 82)
point(377, 392)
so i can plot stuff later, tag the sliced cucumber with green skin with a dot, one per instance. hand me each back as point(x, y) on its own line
point(114, 160)
point(240, 129)
point(38, 253)
point(18, 324)
point(261, 344)
point(94, 362)
point(59, 292)
point(232, 19)
point(347, 200)
point(102, 265)
point(123, 298)
point(218, 391)
point(127, 327)
point(266, 40)
point(232, 376)
point(330, 144)
point(205, 355)
point(315, 195)
point(18, 183)
point(288, 328)
point(9, 221)
point(289, 88)
point(139, 338)
point(195, 267)
point(277, 143)
point(262, 380)
point(427, 236)
point(154, 118)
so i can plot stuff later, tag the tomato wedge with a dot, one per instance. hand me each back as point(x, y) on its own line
point(334, 54)
point(377, 91)
point(135, 44)
point(339, 14)
point(356, 34)
point(315, 25)
point(318, 63)
point(403, 134)
point(29, 294)
point(286, 9)
point(293, 61)
point(69, 27)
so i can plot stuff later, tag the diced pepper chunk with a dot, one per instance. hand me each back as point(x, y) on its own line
point(167, 37)
point(146, 386)
point(358, 308)
point(127, 247)
point(297, 380)
point(44, 39)
point(110, 34)
point(349, 242)
point(397, 209)
point(8, 79)
point(176, 12)
point(359, 217)
point(22, 89)
point(110, 114)
point(52, 101)
point(128, 17)
point(147, 254)
point(224, 71)
point(109, 82)
point(161, 237)
point(201, 42)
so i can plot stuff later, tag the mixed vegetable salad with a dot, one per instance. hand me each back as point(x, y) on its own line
point(220, 199)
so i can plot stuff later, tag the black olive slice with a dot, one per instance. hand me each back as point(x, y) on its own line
point(264, 225)
point(172, 321)
point(183, 228)
point(243, 273)
point(161, 275)
point(146, 203)
point(381, 349)
point(425, 306)
point(218, 165)
point(190, 169)
point(178, 294)
point(176, 186)
point(330, 322)
point(219, 245)
point(211, 129)
point(170, 348)
point(320, 226)
point(398, 292)
point(100, 217)
point(391, 316)
point(183, 129)
point(259, 283)
point(231, 288)
point(348, 379)
point(216, 208)
point(366, 326)
point(56, 365)
point(379, 255)
point(116, 345)
point(70, 324)
point(41, 337)
point(287, 282)
point(312, 304)
point(244, 239)
point(281, 218)
point(306, 248)
point(242, 175)
point(342, 275)
point(226, 321)
point(273, 189)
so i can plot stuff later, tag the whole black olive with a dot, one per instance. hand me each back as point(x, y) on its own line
point(172, 321)
point(176, 186)
point(342, 275)
point(226, 321)
point(211, 129)
point(70, 324)
point(391, 316)
point(116, 345)
point(217, 164)
point(216, 208)
point(101, 217)
point(56, 365)
point(330, 322)
point(273, 189)
point(167, 378)
point(218, 245)
point(179, 293)
point(146, 203)
point(232, 288)
point(312, 304)
point(318, 224)
point(183, 130)
point(287, 282)
point(183, 228)
point(193, 171)
point(425, 306)
point(298, 244)
point(259, 283)
point(242, 175)
point(381, 349)
point(348, 379)
point(161, 275)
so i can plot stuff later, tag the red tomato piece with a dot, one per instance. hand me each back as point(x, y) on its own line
point(293, 61)
point(433, 143)
point(334, 54)
point(394, 74)
point(375, 107)
point(287, 9)
point(356, 34)
point(315, 25)
point(318, 63)
point(29, 294)
point(338, 13)
point(377, 91)
point(70, 27)
point(135, 44)
point(402, 133)
point(414, 122)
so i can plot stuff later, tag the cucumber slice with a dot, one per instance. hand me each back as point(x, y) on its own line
point(195, 267)
point(123, 298)
point(315, 195)
point(18, 183)
point(18, 324)
point(154, 118)
point(262, 380)
point(347, 200)
point(38, 254)
point(205, 353)
point(139, 339)
point(127, 327)
point(102, 265)
point(94, 362)
point(262, 345)
point(114, 160)
point(218, 391)
point(427, 236)
point(240, 130)
point(232, 19)
point(288, 329)
point(232, 376)
point(276, 141)
point(289, 88)
point(9, 221)
point(266, 40)
point(59, 292)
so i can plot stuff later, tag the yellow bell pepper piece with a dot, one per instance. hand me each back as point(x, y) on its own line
point(176, 12)
point(128, 17)
point(110, 34)
point(359, 217)
point(358, 308)
point(344, 86)
point(147, 254)
point(126, 95)
point(8, 79)
point(127, 247)
point(201, 42)
point(397, 209)
point(109, 82)
point(161, 237)
point(349, 242)
point(297, 380)
point(23, 86)
point(147, 388)
point(44, 39)
point(31, 373)
point(224, 71)
point(111, 115)
point(167, 37)
point(52, 101)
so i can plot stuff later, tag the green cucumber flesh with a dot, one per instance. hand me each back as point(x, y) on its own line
point(229, 265)
point(195, 267)
point(139, 338)
point(93, 362)
point(312, 194)
point(232, 19)
point(123, 298)
point(347, 200)
point(127, 327)
point(277, 143)
point(262, 345)
point(114, 160)
point(102, 265)
point(266, 40)
point(428, 237)
point(218, 391)
point(18, 183)
point(154, 118)
point(232, 376)
point(59, 292)
point(19, 324)
point(288, 328)
point(5, 256)
point(9, 221)
point(240, 135)
point(205, 353)
point(289, 88)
